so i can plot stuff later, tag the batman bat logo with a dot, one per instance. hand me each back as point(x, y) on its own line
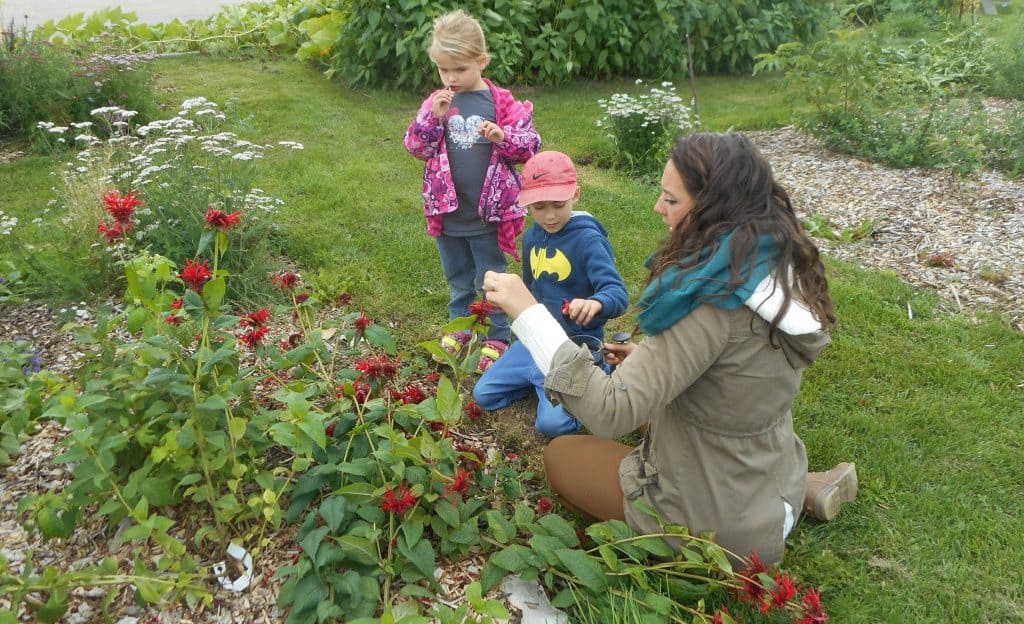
point(557, 265)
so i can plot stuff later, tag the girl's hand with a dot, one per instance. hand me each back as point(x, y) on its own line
point(615, 352)
point(508, 292)
point(583, 311)
point(442, 102)
point(492, 132)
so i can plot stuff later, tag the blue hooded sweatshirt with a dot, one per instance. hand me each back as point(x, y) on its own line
point(575, 262)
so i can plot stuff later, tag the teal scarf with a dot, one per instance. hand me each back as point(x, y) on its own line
point(675, 293)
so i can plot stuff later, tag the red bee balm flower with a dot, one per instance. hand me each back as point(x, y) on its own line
point(121, 208)
point(378, 366)
point(784, 591)
point(362, 322)
point(565, 307)
point(752, 590)
point(398, 502)
point(472, 411)
point(116, 231)
point(544, 505)
point(460, 484)
point(255, 319)
point(222, 220)
point(286, 280)
point(481, 309)
point(813, 611)
point(254, 337)
point(195, 274)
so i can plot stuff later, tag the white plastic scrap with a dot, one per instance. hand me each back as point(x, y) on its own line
point(237, 553)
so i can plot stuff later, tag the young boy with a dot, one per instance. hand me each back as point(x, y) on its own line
point(568, 265)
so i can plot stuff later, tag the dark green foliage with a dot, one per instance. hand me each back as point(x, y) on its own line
point(550, 42)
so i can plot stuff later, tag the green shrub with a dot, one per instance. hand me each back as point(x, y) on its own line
point(40, 81)
point(551, 43)
point(1006, 57)
point(901, 105)
point(1005, 144)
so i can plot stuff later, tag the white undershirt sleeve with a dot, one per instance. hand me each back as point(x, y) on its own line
point(541, 334)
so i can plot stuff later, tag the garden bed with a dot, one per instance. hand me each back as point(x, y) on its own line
point(961, 237)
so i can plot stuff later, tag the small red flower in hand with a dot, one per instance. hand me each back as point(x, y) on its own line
point(481, 309)
point(565, 307)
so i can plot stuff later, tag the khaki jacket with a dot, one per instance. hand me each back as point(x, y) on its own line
point(720, 453)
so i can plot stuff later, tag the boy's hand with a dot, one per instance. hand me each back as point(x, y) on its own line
point(583, 311)
point(615, 352)
point(492, 132)
point(442, 102)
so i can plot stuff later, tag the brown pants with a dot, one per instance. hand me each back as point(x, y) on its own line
point(584, 472)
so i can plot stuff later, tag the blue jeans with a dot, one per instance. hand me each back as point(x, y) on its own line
point(464, 261)
point(511, 378)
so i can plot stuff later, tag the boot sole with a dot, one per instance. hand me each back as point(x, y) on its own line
point(830, 500)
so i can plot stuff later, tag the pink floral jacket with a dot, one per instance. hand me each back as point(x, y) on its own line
point(499, 198)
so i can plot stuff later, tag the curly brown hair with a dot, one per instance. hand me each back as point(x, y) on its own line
point(735, 193)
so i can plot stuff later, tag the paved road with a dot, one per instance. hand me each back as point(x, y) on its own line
point(32, 13)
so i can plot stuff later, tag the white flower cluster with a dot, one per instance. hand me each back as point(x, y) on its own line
point(656, 111)
point(7, 223)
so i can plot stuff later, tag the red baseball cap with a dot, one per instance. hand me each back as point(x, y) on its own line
point(548, 176)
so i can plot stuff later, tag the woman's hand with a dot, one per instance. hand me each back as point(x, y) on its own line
point(508, 292)
point(615, 352)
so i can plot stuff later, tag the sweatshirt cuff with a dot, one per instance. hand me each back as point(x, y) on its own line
point(541, 334)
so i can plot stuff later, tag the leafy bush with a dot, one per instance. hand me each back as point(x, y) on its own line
point(550, 43)
point(1006, 57)
point(41, 81)
point(179, 168)
point(641, 128)
point(1005, 144)
point(914, 105)
point(23, 389)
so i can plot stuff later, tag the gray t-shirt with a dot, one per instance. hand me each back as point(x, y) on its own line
point(469, 154)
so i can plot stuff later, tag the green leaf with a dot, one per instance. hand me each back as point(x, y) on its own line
point(214, 403)
point(501, 529)
point(359, 549)
point(204, 242)
point(334, 510)
point(412, 531)
point(213, 292)
point(377, 335)
point(491, 576)
point(545, 546)
point(564, 599)
point(584, 567)
point(421, 555)
point(449, 407)
point(311, 543)
point(557, 526)
point(655, 545)
point(447, 512)
point(514, 558)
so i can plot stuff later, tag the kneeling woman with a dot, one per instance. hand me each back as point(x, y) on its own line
point(735, 307)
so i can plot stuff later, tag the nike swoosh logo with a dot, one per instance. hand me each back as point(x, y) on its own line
point(540, 175)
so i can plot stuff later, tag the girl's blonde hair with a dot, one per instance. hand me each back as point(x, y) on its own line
point(459, 36)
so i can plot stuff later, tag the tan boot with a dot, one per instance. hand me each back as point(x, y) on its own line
point(826, 492)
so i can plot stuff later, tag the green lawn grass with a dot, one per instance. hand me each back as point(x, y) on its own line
point(930, 408)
